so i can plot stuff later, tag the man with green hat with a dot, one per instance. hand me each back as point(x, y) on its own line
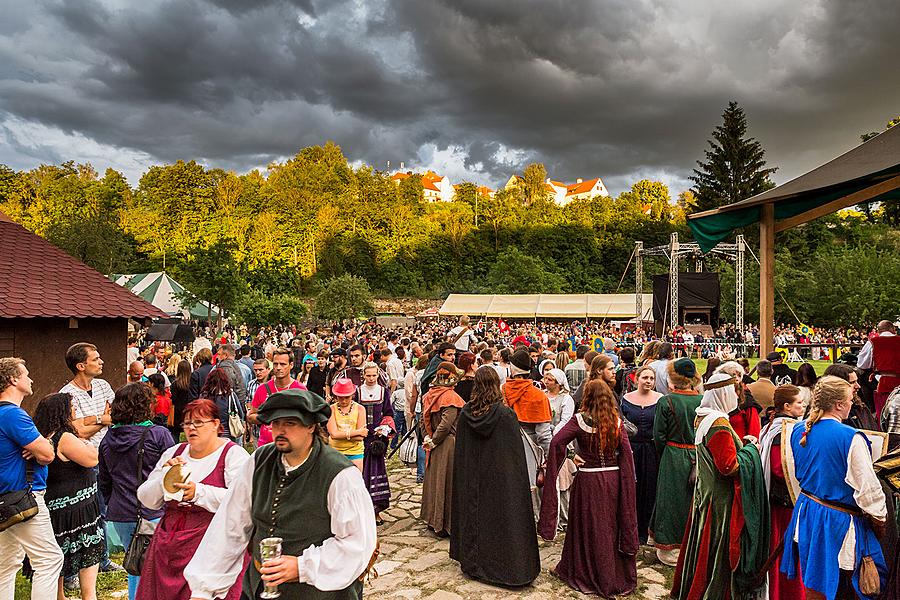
point(301, 490)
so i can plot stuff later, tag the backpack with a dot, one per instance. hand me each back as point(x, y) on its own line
point(629, 381)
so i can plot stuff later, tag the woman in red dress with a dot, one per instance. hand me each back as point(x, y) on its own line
point(213, 462)
point(788, 405)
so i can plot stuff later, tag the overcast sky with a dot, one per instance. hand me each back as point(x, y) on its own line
point(474, 89)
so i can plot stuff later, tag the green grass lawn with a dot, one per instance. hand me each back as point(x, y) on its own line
point(818, 365)
point(107, 583)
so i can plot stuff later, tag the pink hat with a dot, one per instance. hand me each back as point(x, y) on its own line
point(343, 387)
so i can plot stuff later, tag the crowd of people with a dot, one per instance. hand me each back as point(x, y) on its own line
point(748, 486)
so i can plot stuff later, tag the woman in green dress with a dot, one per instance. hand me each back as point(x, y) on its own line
point(673, 434)
point(727, 541)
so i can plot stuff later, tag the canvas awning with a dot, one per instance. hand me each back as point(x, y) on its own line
point(530, 306)
point(867, 173)
point(159, 290)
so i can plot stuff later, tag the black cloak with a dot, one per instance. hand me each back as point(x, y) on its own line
point(494, 537)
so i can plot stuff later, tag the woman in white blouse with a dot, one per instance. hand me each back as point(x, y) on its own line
point(208, 465)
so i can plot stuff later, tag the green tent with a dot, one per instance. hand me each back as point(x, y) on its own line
point(159, 290)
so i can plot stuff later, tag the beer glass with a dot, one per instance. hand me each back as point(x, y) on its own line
point(270, 548)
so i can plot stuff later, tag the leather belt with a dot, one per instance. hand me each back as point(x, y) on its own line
point(834, 505)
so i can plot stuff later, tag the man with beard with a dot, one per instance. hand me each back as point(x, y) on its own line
point(355, 371)
point(298, 489)
point(338, 364)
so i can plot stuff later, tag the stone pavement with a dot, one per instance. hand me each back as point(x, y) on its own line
point(415, 563)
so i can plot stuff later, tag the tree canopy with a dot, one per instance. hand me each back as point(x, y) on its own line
point(735, 167)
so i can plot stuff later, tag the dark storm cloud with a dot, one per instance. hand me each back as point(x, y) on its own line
point(617, 89)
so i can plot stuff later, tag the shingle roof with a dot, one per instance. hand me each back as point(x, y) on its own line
point(37, 279)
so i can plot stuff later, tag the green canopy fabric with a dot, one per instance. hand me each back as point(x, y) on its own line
point(869, 163)
point(159, 290)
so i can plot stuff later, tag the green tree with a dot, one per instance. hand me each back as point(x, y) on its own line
point(515, 272)
point(534, 184)
point(735, 165)
point(212, 275)
point(257, 310)
point(344, 297)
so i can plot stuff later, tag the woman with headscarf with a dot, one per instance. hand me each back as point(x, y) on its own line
point(726, 542)
point(745, 419)
point(562, 408)
point(673, 434)
point(440, 410)
point(788, 406)
point(493, 535)
point(601, 542)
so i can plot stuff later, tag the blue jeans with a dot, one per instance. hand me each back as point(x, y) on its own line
point(104, 561)
point(420, 456)
point(400, 421)
point(125, 531)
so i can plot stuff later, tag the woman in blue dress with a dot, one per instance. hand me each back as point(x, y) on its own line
point(639, 408)
point(841, 505)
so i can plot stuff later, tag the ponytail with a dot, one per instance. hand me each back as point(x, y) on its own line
point(827, 393)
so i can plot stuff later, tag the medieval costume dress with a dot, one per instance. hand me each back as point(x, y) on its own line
point(646, 461)
point(380, 421)
point(178, 535)
point(829, 531)
point(781, 508)
point(673, 433)
point(598, 555)
point(493, 536)
point(440, 412)
point(726, 543)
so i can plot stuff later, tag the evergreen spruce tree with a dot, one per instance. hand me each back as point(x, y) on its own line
point(735, 168)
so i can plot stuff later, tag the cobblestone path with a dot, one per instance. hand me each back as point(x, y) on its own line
point(415, 563)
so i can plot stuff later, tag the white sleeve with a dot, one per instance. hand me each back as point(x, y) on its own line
point(211, 574)
point(865, 356)
point(150, 493)
point(341, 559)
point(210, 497)
point(566, 411)
point(861, 477)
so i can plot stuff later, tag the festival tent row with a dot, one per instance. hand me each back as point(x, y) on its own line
point(549, 306)
point(160, 290)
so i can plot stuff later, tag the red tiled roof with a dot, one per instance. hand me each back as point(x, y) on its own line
point(399, 176)
point(37, 279)
point(428, 184)
point(581, 188)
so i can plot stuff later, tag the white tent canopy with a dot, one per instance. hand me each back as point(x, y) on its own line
point(565, 306)
point(159, 290)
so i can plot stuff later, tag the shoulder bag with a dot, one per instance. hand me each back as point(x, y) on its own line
point(20, 505)
point(236, 426)
point(143, 531)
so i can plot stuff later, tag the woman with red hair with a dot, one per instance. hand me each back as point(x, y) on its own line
point(190, 480)
point(601, 543)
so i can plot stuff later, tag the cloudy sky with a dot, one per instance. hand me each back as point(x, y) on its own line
point(475, 89)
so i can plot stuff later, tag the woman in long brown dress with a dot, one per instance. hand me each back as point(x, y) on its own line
point(440, 410)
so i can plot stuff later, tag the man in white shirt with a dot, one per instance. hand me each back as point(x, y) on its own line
point(393, 366)
point(279, 493)
point(462, 336)
point(92, 398)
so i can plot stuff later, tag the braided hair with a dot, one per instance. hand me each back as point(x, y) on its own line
point(829, 391)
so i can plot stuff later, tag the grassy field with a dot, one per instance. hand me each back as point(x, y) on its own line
point(110, 586)
point(818, 365)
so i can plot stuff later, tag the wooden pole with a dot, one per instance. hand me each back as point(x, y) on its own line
point(766, 278)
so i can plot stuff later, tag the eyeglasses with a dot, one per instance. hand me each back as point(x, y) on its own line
point(194, 424)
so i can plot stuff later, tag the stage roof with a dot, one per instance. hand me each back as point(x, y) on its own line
point(529, 306)
point(872, 163)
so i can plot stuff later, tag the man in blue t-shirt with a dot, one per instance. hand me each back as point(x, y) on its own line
point(20, 442)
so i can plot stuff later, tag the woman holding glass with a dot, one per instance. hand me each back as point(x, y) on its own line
point(210, 464)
